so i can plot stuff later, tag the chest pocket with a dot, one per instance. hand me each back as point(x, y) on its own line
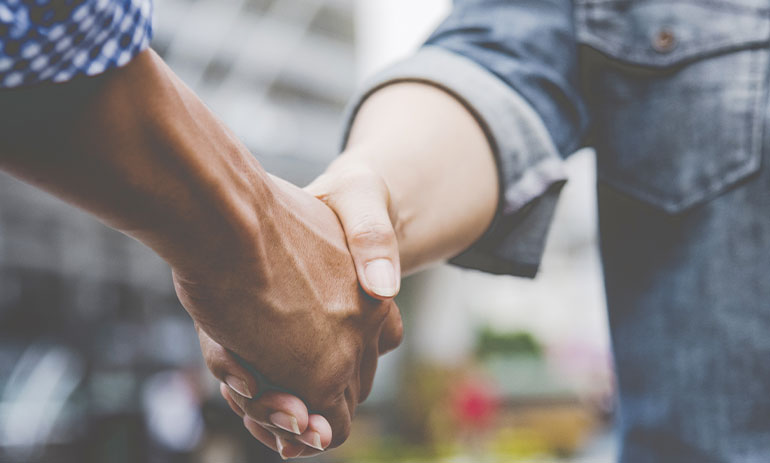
point(677, 90)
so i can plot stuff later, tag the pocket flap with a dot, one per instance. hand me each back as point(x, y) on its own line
point(658, 33)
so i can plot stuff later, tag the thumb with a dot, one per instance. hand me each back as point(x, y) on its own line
point(361, 200)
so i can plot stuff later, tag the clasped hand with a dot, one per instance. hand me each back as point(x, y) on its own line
point(289, 303)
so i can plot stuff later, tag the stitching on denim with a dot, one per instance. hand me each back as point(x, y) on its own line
point(633, 55)
point(729, 6)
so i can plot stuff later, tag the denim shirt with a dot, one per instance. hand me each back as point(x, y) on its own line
point(673, 96)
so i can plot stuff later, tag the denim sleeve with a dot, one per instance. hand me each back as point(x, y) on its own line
point(514, 66)
point(531, 46)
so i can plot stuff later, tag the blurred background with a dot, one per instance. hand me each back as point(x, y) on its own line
point(99, 362)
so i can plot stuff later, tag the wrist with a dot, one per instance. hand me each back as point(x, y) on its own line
point(437, 162)
point(229, 196)
point(138, 150)
point(205, 192)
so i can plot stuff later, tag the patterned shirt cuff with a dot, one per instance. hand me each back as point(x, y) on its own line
point(57, 41)
point(530, 169)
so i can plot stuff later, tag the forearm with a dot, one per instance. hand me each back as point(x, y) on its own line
point(438, 166)
point(136, 148)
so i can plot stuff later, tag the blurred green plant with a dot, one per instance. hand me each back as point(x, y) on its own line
point(491, 342)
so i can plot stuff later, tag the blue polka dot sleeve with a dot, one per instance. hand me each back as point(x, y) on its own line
point(56, 40)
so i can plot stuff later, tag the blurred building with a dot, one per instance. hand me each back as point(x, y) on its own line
point(278, 72)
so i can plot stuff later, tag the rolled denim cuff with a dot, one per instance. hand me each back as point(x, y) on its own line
point(530, 169)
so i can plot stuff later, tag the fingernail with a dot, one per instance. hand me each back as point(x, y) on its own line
point(312, 439)
point(381, 277)
point(285, 422)
point(238, 385)
point(279, 443)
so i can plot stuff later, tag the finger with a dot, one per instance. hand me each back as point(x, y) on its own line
point(318, 435)
point(277, 411)
point(339, 416)
point(289, 448)
point(312, 442)
point(225, 368)
point(392, 331)
point(225, 391)
point(284, 446)
point(260, 433)
point(361, 200)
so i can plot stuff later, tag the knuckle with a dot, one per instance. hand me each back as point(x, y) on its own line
point(398, 329)
point(367, 380)
point(328, 388)
point(398, 334)
point(337, 377)
point(369, 230)
point(252, 409)
point(349, 357)
point(358, 175)
point(320, 398)
point(392, 333)
point(365, 391)
point(378, 317)
point(216, 360)
point(341, 432)
point(332, 185)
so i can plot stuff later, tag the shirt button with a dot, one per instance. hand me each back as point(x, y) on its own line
point(664, 41)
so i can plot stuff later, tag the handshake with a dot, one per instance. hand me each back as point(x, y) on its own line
point(303, 306)
point(290, 290)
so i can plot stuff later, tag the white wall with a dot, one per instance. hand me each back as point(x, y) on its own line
point(387, 30)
